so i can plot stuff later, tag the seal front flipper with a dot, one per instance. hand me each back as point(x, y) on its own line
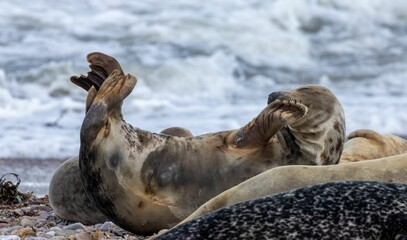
point(278, 114)
point(101, 66)
point(89, 99)
point(107, 102)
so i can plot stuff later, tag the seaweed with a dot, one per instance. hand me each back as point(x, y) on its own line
point(9, 193)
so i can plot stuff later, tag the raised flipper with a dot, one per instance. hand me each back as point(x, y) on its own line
point(275, 116)
point(101, 66)
point(106, 103)
point(89, 99)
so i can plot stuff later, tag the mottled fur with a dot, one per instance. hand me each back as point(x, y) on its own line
point(286, 178)
point(341, 210)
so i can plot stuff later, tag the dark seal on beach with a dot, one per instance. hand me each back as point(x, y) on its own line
point(339, 210)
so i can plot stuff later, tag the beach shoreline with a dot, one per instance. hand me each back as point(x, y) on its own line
point(35, 173)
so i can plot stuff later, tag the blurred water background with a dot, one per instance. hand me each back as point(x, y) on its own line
point(206, 66)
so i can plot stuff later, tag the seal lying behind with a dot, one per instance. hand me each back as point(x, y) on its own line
point(67, 195)
point(145, 182)
point(341, 210)
point(282, 179)
point(367, 144)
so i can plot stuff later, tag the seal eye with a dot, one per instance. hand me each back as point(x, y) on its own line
point(303, 89)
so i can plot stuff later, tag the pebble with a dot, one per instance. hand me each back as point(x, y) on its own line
point(24, 232)
point(106, 226)
point(26, 222)
point(83, 236)
point(34, 222)
point(55, 229)
point(51, 233)
point(10, 237)
point(47, 215)
point(9, 229)
point(18, 212)
point(58, 238)
point(65, 233)
point(74, 226)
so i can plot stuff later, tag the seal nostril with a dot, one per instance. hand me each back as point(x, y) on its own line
point(273, 96)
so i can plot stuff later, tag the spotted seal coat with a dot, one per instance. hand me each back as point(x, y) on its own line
point(286, 178)
point(68, 197)
point(145, 182)
point(339, 210)
point(387, 155)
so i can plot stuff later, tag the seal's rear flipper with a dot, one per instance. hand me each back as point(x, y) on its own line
point(101, 66)
point(368, 134)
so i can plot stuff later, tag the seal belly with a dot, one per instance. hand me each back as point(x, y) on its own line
point(110, 181)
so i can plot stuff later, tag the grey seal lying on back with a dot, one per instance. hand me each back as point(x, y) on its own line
point(145, 182)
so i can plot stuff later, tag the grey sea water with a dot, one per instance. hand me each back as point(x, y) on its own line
point(206, 66)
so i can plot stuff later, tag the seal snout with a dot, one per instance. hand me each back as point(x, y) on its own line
point(274, 96)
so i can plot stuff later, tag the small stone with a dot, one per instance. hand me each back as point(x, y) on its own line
point(41, 212)
point(44, 235)
point(40, 222)
point(97, 234)
point(47, 216)
point(18, 212)
point(83, 236)
point(106, 226)
point(26, 222)
point(51, 233)
point(98, 225)
point(55, 229)
point(24, 232)
point(58, 238)
point(10, 237)
point(4, 220)
point(119, 231)
point(41, 208)
point(36, 238)
point(65, 233)
point(74, 226)
point(10, 229)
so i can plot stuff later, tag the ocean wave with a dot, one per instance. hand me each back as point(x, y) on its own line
point(207, 67)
